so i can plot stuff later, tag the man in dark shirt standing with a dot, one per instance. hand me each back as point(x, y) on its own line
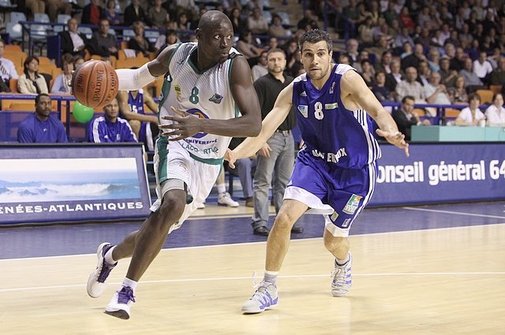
point(276, 158)
point(41, 126)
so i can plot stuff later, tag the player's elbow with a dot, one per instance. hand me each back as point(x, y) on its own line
point(254, 130)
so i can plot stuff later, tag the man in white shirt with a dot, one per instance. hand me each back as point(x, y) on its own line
point(495, 113)
point(482, 67)
point(7, 68)
point(435, 92)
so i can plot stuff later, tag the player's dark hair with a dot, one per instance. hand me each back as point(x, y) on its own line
point(314, 36)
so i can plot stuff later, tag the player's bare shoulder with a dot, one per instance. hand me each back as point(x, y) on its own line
point(160, 65)
point(240, 70)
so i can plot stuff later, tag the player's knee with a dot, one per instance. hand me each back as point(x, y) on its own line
point(284, 220)
point(171, 209)
point(334, 243)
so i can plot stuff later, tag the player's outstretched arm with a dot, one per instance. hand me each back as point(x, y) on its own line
point(354, 85)
point(135, 79)
point(271, 122)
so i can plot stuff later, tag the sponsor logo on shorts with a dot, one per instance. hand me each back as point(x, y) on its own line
point(352, 204)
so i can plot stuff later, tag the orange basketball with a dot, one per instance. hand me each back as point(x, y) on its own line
point(95, 84)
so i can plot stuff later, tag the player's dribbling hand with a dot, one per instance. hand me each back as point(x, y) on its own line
point(229, 156)
point(397, 139)
point(183, 125)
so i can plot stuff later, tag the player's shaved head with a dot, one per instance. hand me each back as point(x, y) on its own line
point(212, 18)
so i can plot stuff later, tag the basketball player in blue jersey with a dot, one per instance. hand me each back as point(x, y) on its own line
point(205, 85)
point(335, 172)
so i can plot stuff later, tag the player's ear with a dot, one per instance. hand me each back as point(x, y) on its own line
point(197, 33)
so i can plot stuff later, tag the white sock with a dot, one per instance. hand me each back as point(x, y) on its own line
point(342, 261)
point(270, 276)
point(130, 283)
point(221, 188)
point(108, 256)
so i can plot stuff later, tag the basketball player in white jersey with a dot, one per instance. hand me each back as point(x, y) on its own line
point(206, 85)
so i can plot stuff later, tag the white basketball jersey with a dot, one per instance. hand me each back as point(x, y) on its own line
point(205, 95)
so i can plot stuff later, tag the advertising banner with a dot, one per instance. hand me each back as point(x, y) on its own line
point(72, 182)
point(436, 173)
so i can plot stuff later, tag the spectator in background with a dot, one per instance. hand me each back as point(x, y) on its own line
point(111, 14)
point(435, 92)
point(379, 88)
point(457, 93)
point(244, 169)
point(41, 126)
point(275, 160)
point(36, 6)
point(7, 69)
point(472, 81)
point(103, 43)
point(405, 116)
point(448, 75)
point(134, 13)
point(385, 62)
point(61, 84)
point(471, 115)
point(423, 73)
point(236, 20)
point(414, 59)
point(139, 43)
point(395, 77)
point(92, 13)
point(276, 28)
point(367, 72)
point(495, 113)
point(31, 82)
point(72, 42)
point(352, 50)
point(481, 67)
point(260, 69)
point(158, 15)
point(246, 47)
point(110, 127)
point(169, 38)
point(256, 23)
point(411, 87)
point(497, 76)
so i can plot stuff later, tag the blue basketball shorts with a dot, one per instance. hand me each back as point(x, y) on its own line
point(340, 194)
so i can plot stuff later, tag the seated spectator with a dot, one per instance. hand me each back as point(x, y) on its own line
point(367, 72)
point(133, 13)
point(157, 15)
point(183, 22)
point(110, 127)
point(458, 94)
point(139, 43)
point(276, 29)
point(352, 50)
point(481, 67)
point(7, 70)
point(471, 115)
point(379, 88)
point(260, 69)
point(169, 38)
point(405, 117)
point(256, 23)
point(395, 77)
point(92, 13)
point(495, 113)
point(447, 74)
point(472, 81)
point(31, 82)
point(423, 73)
point(497, 77)
point(143, 123)
point(41, 126)
point(245, 45)
point(111, 14)
point(72, 42)
point(62, 82)
point(308, 21)
point(414, 59)
point(236, 20)
point(435, 92)
point(103, 43)
point(385, 62)
point(410, 86)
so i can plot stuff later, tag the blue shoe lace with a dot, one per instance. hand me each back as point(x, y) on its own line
point(125, 295)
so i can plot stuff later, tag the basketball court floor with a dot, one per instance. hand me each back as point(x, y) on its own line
point(416, 270)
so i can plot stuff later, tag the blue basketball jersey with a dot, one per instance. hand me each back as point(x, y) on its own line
point(136, 103)
point(331, 132)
